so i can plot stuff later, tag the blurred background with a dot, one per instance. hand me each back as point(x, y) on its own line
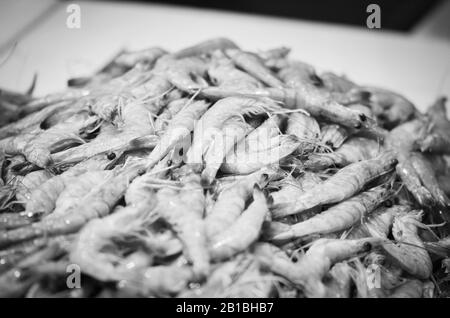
point(401, 15)
point(409, 54)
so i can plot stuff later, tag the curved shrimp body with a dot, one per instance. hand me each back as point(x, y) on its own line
point(31, 121)
point(158, 281)
point(252, 64)
point(172, 109)
point(395, 109)
point(310, 269)
point(223, 73)
point(411, 256)
point(336, 83)
point(354, 150)
point(214, 119)
point(291, 190)
point(95, 204)
point(348, 181)
point(439, 139)
point(96, 234)
point(231, 202)
point(233, 131)
point(188, 224)
point(296, 74)
point(305, 128)
point(185, 74)
point(244, 162)
point(309, 98)
point(23, 145)
point(206, 47)
point(245, 231)
point(333, 135)
point(339, 217)
point(29, 183)
point(413, 168)
point(378, 223)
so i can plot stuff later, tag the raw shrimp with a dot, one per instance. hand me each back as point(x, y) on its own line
point(245, 231)
point(340, 282)
point(354, 150)
point(231, 202)
point(438, 141)
point(95, 204)
point(334, 135)
point(339, 217)
point(206, 47)
point(305, 128)
point(217, 115)
point(88, 250)
point(336, 83)
point(29, 183)
point(233, 131)
point(172, 109)
point(412, 288)
point(185, 74)
point(252, 64)
point(244, 162)
point(410, 253)
point(344, 184)
point(395, 109)
point(311, 100)
point(178, 129)
point(188, 224)
point(158, 281)
point(274, 54)
point(310, 269)
point(378, 224)
point(223, 73)
point(297, 74)
point(32, 120)
point(292, 189)
point(401, 140)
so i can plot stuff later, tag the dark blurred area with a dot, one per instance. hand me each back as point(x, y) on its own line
point(400, 15)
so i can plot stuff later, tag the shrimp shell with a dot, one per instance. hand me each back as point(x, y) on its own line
point(348, 181)
point(354, 150)
point(246, 230)
point(188, 223)
point(253, 65)
point(333, 135)
point(411, 256)
point(339, 217)
point(231, 202)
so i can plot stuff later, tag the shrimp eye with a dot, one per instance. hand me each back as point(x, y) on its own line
point(388, 203)
point(367, 247)
point(358, 125)
point(363, 117)
point(111, 156)
point(329, 143)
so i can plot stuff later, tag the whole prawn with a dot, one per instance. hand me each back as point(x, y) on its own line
point(95, 204)
point(310, 269)
point(246, 230)
point(217, 115)
point(348, 180)
point(188, 224)
point(354, 150)
point(339, 217)
point(410, 253)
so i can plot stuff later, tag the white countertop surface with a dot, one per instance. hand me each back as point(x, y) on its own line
point(416, 66)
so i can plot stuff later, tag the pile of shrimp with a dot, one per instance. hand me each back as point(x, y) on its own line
point(218, 172)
